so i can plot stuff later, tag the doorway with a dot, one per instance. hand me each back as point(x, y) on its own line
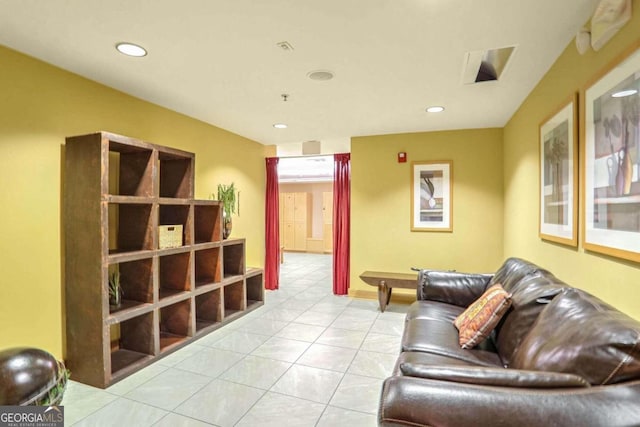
point(306, 216)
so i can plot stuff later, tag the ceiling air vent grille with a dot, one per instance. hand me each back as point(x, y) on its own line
point(486, 65)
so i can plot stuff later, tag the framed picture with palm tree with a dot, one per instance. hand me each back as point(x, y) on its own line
point(558, 158)
point(431, 196)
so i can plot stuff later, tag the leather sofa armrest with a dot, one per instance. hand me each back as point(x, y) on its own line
point(415, 401)
point(451, 287)
point(494, 376)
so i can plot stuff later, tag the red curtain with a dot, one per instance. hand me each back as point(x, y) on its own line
point(272, 232)
point(341, 222)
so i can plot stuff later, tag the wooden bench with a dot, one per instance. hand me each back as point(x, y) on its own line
point(385, 282)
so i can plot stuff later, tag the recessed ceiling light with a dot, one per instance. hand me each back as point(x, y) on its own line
point(131, 49)
point(623, 93)
point(280, 126)
point(435, 109)
point(320, 75)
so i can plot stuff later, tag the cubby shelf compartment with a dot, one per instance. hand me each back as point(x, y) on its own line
point(207, 221)
point(233, 257)
point(254, 284)
point(133, 234)
point(208, 267)
point(176, 173)
point(177, 215)
point(136, 281)
point(174, 274)
point(132, 344)
point(234, 299)
point(130, 169)
point(175, 324)
point(208, 309)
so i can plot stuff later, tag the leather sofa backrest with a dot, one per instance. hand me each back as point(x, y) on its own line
point(512, 271)
point(528, 299)
point(576, 333)
point(451, 287)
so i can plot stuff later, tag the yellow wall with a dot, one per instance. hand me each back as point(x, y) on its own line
point(39, 106)
point(381, 236)
point(613, 280)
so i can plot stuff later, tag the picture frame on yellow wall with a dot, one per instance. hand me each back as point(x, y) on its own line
point(558, 175)
point(611, 157)
point(431, 196)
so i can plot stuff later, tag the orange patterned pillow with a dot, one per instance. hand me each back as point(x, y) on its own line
point(478, 320)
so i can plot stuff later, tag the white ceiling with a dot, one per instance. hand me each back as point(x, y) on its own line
point(217, 60)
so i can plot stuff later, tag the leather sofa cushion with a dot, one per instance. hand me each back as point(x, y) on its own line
point(441, 338)
point(579, 334)
point(528, 299)
point(493, 376)
point(427, 359)
point(434, 310)
point(410, 401)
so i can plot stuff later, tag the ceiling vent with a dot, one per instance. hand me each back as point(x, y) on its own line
point(285, 45)
point(486, 65)
point(310, 148)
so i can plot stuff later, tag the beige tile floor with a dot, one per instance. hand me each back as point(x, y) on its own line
point(306, 358)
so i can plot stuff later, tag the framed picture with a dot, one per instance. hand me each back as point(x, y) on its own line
point(611, 161)
point(559, 175)
point(431, 192)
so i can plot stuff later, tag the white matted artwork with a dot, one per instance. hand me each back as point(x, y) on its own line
point(612, 161)
point(559, 175)
point(431, 196)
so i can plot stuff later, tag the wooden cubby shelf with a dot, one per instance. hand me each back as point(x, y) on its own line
point(208, 310)
point(130, 169)
point(234, 300)
point(177, 215)
point(254, 288)
point(171, 296)
point(207, 216)
point(176, 173)
point(136, 281)
point(175, 324)
point(233, 257)
point(134, 234)
point(175, 274)
point(207, 266)
point(134, 344)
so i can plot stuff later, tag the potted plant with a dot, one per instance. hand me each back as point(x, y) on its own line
point(115, 291)
point(227, 196)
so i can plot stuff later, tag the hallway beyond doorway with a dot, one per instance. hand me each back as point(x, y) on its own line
point(301, 269)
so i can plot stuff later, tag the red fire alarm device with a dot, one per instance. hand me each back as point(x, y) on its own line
point(402, 157)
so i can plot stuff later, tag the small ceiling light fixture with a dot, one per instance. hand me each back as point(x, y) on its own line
point(435, 109)
point(320, 75)
point(280, 126)
point(131, 49)
point(623, 93)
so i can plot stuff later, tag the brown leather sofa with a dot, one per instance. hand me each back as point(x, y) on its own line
point(559, 357)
